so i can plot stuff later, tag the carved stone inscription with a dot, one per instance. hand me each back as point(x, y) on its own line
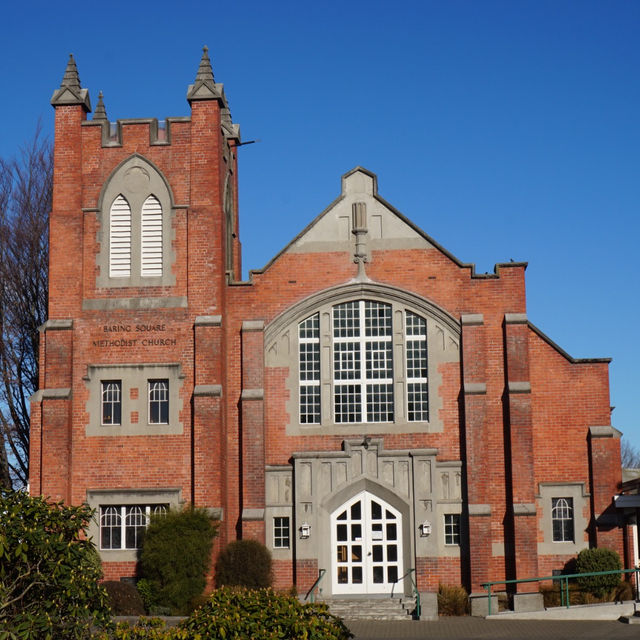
point(132, 335)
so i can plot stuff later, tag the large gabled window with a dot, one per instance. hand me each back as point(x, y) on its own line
point(364, 377)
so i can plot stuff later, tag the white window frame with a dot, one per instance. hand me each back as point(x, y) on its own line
point(562, 512)
point(281, 532)
point(121, 518)
point(109, 389)
point(158, 394)
point(452, 529)
point(309, 369)
point(363, 378)
point(360, 391)
point(417, 362)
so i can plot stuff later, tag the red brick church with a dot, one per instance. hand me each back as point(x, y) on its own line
point(365, 404)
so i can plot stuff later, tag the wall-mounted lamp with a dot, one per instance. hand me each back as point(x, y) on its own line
point(305, 530)
point(365, 441)
point(425, 529)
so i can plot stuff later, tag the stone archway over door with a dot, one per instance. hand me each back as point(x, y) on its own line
point(366, 546)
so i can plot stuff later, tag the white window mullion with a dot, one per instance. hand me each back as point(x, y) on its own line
point(362, 348)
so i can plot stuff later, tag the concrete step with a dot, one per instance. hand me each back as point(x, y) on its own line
point(372, 608)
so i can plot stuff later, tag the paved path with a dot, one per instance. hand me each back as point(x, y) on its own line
point(470, 628)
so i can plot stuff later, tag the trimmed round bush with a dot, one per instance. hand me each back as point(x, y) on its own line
point(244, 563)
point(263, 614)
point(592, 560)
point(124, 598)
point(175, 559)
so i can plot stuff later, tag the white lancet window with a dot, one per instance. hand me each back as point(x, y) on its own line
point(309, 360)
point(120, 239)
point(417, 389)
point(151, 238)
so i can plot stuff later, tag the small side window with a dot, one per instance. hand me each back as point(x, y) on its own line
point(452, 529)
point(159, 401)
point(562, 519)
point(111, 402)
point(281, 539)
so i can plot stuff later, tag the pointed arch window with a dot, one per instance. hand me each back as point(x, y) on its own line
point(136, 218)
point(151, 238)
point(120, 238)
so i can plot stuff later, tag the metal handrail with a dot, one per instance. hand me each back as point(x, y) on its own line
point(564, 583)
point(415, 590)
point(311, 591)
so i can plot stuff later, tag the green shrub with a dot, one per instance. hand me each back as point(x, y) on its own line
point(124, 598)
point(175, 558)
point(48, 571)
point(263, 614)
point(146, 629)
point(244, 563)
point(452, 600)
point(591, 560)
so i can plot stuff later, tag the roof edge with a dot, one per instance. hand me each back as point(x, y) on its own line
point(563, 353)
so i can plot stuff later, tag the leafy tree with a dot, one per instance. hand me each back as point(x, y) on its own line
point(48, 571)
point(176, 556)
point(25, 202)
point(244, 563)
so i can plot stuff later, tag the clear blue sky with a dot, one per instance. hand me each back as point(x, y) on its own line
point(505, 129)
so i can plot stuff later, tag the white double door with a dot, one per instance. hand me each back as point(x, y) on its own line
point(366, 545)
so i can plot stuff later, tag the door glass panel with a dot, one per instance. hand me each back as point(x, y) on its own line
point(366, 534)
